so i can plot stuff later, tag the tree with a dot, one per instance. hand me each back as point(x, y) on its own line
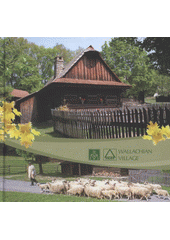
point(131, 64)
point(158, 49)
point(26, 155)
point(21, 70)
point(28, 66)
point(45, 59)
point(37, 159)
point(163, 84)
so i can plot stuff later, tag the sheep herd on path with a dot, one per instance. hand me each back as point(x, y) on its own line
point(110, 189)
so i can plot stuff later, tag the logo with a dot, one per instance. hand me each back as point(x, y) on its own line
point(94, 154)
point(109, 154)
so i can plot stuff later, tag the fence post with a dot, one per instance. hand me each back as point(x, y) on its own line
point(129, 123)
point(167, 116)
point(122, 124)
point(141, 122)
point(9, 169)
point(133, 123)
point(145, 120)
point(154, 115)
point(115, 123)
point(161, 117)
point(125, 120)
point(137, 121)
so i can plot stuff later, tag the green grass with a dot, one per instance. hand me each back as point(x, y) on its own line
point(166, 188)
point(16, 166)
point(150, 100)
point(33, 197)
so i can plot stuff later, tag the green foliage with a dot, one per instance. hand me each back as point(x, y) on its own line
point(26, 66)
point(26, 155)
point(163, 84)
point(131, 64)
point(159, 53)
point(19, 69)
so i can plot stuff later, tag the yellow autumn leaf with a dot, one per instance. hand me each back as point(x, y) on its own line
point(27, 139)
point(147, 137)
point(14, 134)
point(25, 128)
point(8, 106)
point(152, 128)
point(36, 133)
point(9, 127)
point(2, 135)
point(157, 138)
point(24, 132)
point(166, 131)
point(17, 112)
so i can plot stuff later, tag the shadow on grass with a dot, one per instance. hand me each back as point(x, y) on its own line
point(11, 173)
point(57, 134)
point(47, 126)
point(44, 125)
point(10, 151)
point(58, 174)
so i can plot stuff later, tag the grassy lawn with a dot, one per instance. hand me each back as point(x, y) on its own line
point(33, 197)
point(150, 100)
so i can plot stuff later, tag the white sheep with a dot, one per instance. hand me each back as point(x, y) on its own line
point(141, 192)
point(77, 189)
point(110, 193)
point(123, 191)
point(139, 185)
point(154, 186)
point(113, 182)
point(74, 183)
point(93, 191)
point(57, 187)
point(98, 183)
point(108, 187)
point(161, 192)
point(83, 181)
point(44, 186)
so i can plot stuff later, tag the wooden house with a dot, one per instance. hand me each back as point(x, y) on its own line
point(17, 94)
point(86, 82)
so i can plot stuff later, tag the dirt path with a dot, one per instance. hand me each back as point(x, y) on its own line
point(18, 186)
point(22, 186)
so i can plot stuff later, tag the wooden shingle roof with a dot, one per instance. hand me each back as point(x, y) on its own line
point(91, 82)
point(19, 93)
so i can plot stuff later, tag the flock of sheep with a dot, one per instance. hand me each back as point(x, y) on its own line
point(110, 189)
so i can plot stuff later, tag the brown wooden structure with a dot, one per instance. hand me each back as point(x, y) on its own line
point(77, 169)
point(110, 124)
point(86, 82)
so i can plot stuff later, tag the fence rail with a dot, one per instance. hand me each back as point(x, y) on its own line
point(115, 123)
point(12, 169)
point(151, 176)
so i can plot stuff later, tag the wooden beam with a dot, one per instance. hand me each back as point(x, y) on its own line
point(71, 169)
point(79, 169)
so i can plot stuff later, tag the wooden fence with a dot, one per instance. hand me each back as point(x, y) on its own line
point(152, 176)
point(13, 169)
point(119, 123)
